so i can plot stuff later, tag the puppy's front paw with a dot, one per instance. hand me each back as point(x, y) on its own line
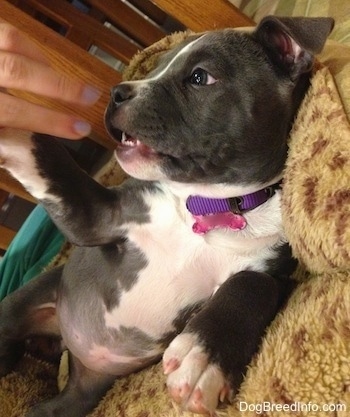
point(13, 146)
point(193, 381)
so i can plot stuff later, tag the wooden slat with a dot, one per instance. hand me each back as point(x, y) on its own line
point(11, 185)
point(150, 10)
point(129, 21)
point(71, 60)
point(200, 15)
point(69, 16)
point(6, 236)
point(3, 197)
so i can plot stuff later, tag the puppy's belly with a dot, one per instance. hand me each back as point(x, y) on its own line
point(116, 361)
point(134, 332)
point(180, 272)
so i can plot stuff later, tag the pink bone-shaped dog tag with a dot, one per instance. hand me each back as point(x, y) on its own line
point(209, 222)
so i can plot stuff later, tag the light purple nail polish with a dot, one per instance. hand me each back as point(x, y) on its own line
point(90, 95)
point(82, 128)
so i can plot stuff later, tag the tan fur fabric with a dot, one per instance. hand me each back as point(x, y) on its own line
point(318, 202)
point(304, 360)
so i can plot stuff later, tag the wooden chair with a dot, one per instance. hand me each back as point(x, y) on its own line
point(116, 28)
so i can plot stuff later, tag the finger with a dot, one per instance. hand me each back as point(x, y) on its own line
point(22, 73)
point(13, 40)
point(20, 114)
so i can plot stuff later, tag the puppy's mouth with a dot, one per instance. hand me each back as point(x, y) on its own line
point(129, 142)
point(131, 145)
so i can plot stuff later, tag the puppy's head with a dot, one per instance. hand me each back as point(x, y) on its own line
point(218, 108)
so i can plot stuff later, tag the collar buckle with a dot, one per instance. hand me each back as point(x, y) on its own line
point(235, 205)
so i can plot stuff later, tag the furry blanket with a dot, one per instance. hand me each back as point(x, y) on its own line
point(303, 365)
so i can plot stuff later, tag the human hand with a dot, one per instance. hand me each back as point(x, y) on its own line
point(24, 67)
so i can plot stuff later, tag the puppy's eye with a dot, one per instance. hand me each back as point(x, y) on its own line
point(201, 77)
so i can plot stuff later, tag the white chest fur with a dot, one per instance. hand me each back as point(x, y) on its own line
point(183, 267)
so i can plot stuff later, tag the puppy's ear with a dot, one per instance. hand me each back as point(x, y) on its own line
point(291, 42)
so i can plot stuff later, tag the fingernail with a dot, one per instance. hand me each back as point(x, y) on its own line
point(90, 95)
point(82, 128)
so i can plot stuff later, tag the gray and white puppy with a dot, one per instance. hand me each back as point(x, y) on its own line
point(189, 256)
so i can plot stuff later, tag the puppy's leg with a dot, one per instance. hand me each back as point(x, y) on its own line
point(206, 363)
point(86, 212)
point(84, 390)
point(31, 310)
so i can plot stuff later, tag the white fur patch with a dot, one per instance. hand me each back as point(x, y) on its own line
point(184, 267)
point(193, 382)
point(16, 156)
point(182, 52)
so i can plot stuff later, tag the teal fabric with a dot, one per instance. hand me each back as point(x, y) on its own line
point(34, 246)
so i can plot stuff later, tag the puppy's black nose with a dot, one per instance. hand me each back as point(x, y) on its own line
point(121, 93)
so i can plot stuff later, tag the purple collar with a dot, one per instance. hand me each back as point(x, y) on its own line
point(211, 213)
